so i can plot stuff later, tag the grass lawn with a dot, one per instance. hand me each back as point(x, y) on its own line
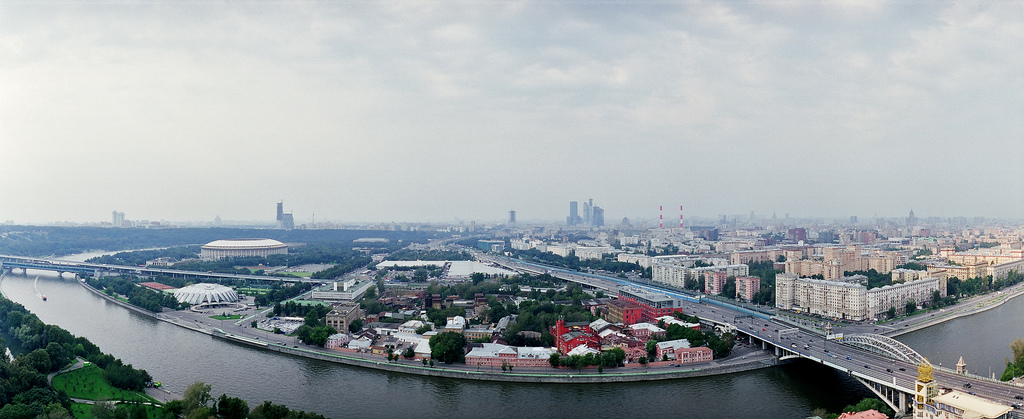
point(84, 411)
point(299, 274)
point(253, 291)
point(81, 410)
point(88, 383)
point(228, 317)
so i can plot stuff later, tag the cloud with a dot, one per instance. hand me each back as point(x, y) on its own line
point(529, 104)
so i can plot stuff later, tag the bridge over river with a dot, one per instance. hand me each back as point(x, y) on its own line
point(9, 263)
point(884, 365)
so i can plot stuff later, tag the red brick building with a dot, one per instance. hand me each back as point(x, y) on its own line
point(652, 305)
point(570, 335)
point(625, 312)
point(680, 350)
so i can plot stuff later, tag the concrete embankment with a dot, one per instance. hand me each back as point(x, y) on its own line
point(556, 376)
point(1001, 299)
point(561, 376)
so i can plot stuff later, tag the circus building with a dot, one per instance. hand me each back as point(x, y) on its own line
point(219, 249)
point(205, 294)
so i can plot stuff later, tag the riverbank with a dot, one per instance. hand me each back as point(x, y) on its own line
point(535, 375)
point(984, 303)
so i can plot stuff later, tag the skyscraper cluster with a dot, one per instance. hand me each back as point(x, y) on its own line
point(593, 216)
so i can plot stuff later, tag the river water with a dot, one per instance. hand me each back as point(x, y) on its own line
point(178, 357)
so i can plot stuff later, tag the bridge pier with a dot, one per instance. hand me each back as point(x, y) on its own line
point(896, 399)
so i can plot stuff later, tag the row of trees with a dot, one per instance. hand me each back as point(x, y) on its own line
point(314, 331)
point(438, 255)
point(281, 291)
point(139, 296)
point(721, 347)
point(198, 403)
point(535, 316)
point(615, 357)
point(573, 262)
point(140, 257)
point(24, 390)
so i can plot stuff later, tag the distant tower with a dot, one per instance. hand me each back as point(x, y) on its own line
point(588, 212)
point(597, 216)
point(118, 220)
point(512, 217)
point(574, 214)
point(681, 216)
point(285, 221)
point(661, 217)
point(911, 220)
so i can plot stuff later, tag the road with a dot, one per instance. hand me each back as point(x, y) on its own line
point(808, 341)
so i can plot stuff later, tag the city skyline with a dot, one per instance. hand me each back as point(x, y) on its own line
point(440, 112)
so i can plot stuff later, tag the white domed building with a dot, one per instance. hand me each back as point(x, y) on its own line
point(206, 294)
point(219, 249)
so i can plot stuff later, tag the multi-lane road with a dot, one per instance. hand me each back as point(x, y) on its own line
point(805, 343)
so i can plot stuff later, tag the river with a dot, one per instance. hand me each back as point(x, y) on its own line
point(179, 357)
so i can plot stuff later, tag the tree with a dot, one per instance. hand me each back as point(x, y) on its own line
point(232, 407)
point(891, 314)
point(1014, 367)
point(642, 360)
point(102, 409)
point(424, 329)
point(409, 353)
point(355, 326)
point(448, 347)
point(911, 307)
point(868, 404)
point(196, 396)
point(555, 360)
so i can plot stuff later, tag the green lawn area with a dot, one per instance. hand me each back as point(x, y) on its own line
point(228, 317)
point(84, 411)
point(299, 274)
point(88, 383)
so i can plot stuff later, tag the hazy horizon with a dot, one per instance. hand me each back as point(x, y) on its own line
point(364, 112)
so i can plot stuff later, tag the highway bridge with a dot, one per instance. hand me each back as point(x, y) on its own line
point(8, 263)
point(884, 365)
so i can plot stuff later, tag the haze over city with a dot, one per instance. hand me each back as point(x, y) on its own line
point(445, 111)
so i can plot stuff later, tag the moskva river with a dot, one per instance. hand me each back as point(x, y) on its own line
point(178, 357)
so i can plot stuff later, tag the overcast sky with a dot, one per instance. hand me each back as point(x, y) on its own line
point(444, 111)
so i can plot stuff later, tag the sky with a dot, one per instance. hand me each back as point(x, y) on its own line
point(444, 111)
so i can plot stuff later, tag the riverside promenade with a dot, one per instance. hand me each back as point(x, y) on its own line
point(743, 359)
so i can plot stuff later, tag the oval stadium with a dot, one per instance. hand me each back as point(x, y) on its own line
point(219, 249)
